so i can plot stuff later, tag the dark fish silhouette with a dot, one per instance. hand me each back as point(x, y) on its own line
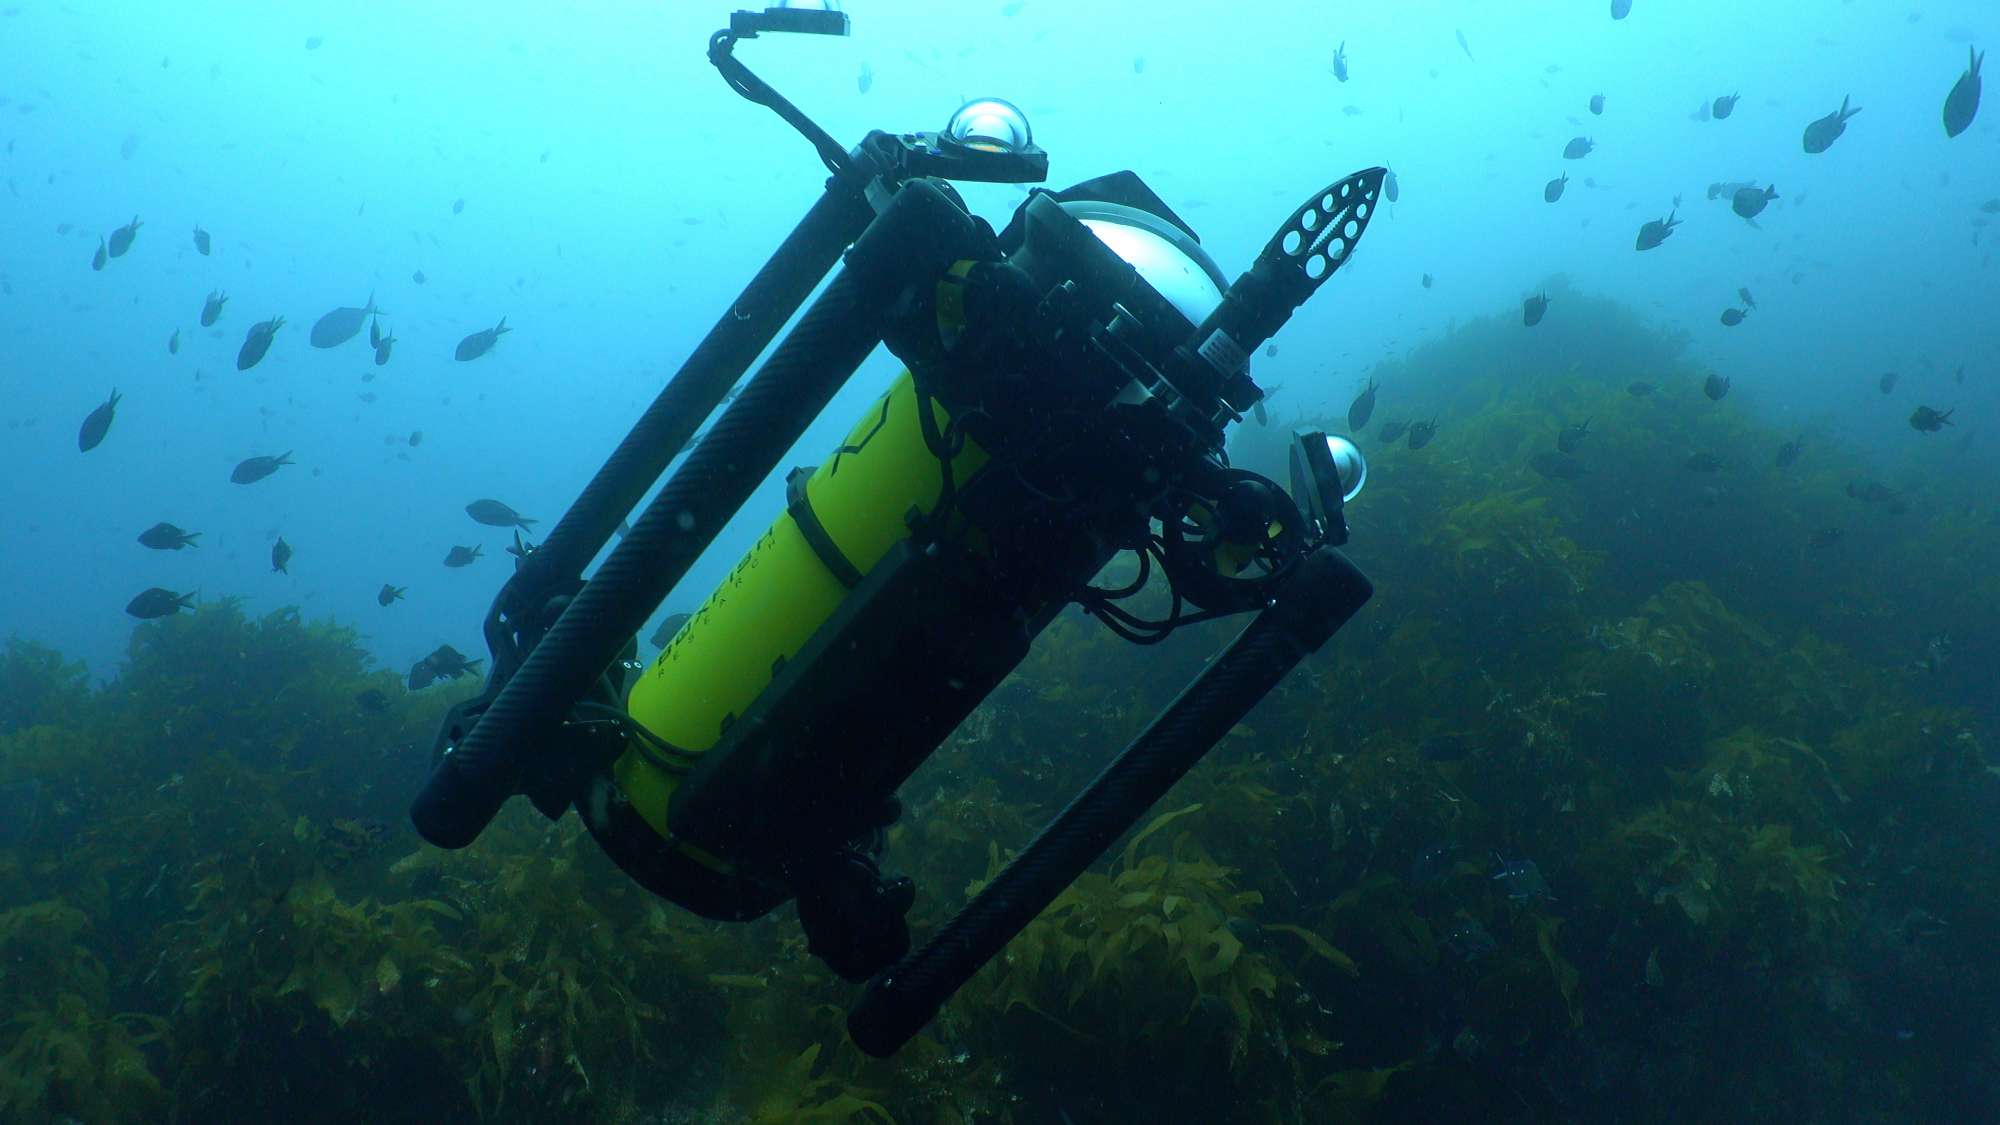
point(121, 239)
point(1732, 317)
point(1390, 431)
point(174, 343)
point(458, 205)
point(1656, 231)
point(419, 277)
point(1362, 408)
point(1724, 106)
point(1620, 9)
point(254, 469)
point(389, 594)
point(201, 242)
point(1788, 453)
point(1597, 104)
point(1392, 188)
point(1340, 61)
point(1578, 148)
point(382, 349)
point(1553, 190)
point(447, 663)
point(281, 553)
point(1422, 433)
point(1569, 437)
point(257, 341)
point(1928, 421)
point(866, 79)
point(157, 602)
point(96, 424)
point(375, 332)
point(1750, 202)
point(1533, 308)
point(211, 307)
point(342, 324)
point(1463, 45)
point(1728, 188)
point(481, 342)
point(493, 513)
point(461, 556)
point(166, 537)
point(1962, 103)
point(1887, 382)
point(669, 628)
point(1748, 301)
point(1715, 386)
point(97, 259)
point(1821, 134)
point(1427, 281)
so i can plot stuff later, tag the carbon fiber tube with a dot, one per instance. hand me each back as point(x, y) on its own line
point(1322, 593)
point(920, 234)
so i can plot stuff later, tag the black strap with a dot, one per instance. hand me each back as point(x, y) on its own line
point(821, 543)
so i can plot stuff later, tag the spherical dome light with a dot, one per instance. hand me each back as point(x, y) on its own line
point(990, 125)
point(1352, 466)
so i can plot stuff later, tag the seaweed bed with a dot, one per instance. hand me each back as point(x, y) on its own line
point(1621, 801)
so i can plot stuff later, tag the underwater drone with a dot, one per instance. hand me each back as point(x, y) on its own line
point(1067, 385)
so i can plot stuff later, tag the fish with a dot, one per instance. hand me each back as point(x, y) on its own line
point(1553, 190)
point(1656, 231)
point(1138, 64)
point(1569, 437)
point(341, 325)
point(522, 548)
point(1821, 134)
point(1340, 61)
point(669, 628)
point(1639, 389)
point(388, 594)
point(1928, 421)
point(1887, 382)
point(1703, 462)
point(1362, 408)
point(174, 343)
point(1463, 45)
point(1533, 308)
point(1392, 188)
point(281, 553)
point(1620, 9)
point(97, 259)
point(1728, 188)
point(383, 348)
point(1962, 103)
point(121, 239)
point(1597, 104)
point(1871, 491)
point(493, 513)
point(418, 277)
point(257, 341)
point(1788, 453)
point(1716, 387)
point(20, 809)
point(480, 342)
point(1750, 202)
point(253, 469)
point(416, 437)
point(211, 307)
point(1825, 537)
point(1427, 281)
point(1724, 106)
point(158, 602)
point(1701, 112)
point(1556, 466)
point(866, 79)
point(1578, 148)
point(1390, 431)
point(375, 332)
point(1749, 302)
point(201, 241)
point(1421, 433)
point(164, 536)
point(447, 663)
point(96, 424)
point(458, 206)
point(1523, 880)
point(461, 556)
point(1732, 317)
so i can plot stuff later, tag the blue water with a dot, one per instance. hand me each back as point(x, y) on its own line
point(616, 193)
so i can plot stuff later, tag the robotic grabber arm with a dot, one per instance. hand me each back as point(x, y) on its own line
point(1069, 381)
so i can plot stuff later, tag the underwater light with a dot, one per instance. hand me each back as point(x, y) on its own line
point(1327, 471)
point(989, 125)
